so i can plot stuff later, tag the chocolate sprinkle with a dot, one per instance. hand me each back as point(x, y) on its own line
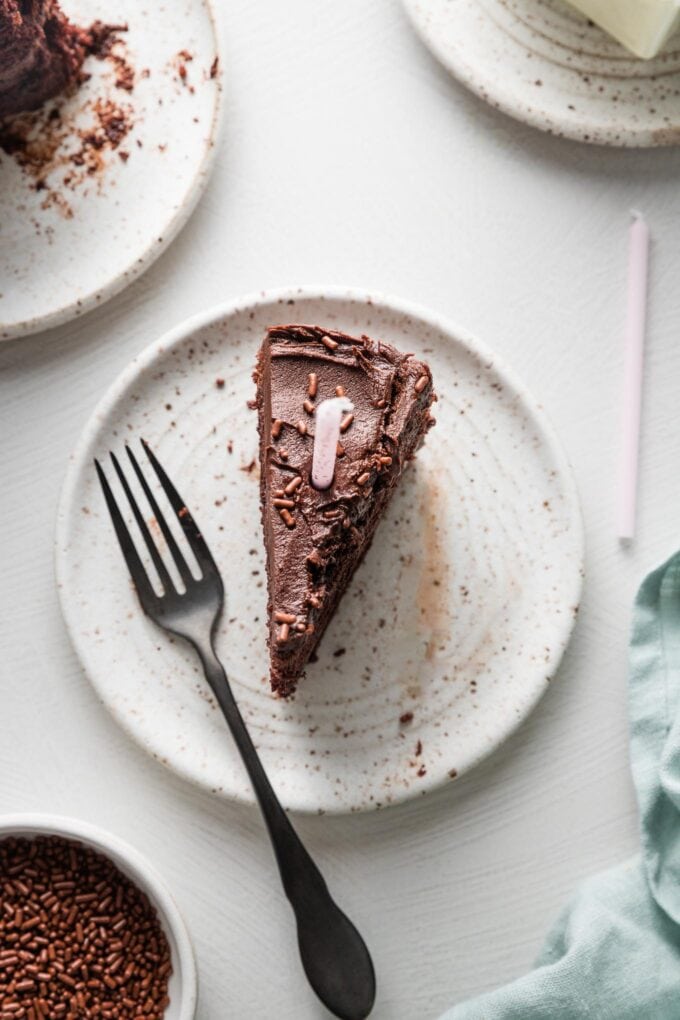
point(293, 484)
point(287, 518)
point(284, 617)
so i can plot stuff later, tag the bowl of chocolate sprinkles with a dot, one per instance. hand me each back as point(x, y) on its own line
point(87, 928)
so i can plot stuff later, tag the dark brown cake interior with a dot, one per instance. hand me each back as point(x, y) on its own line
point(315, 539)
point(41, 53)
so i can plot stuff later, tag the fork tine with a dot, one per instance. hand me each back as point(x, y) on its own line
point(191, 530)
point(161, 569)
point(175, 550)
point(130, 554)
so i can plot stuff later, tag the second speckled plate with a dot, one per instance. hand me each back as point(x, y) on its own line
point(450, 630)
point(95, 185)
point(543, 62)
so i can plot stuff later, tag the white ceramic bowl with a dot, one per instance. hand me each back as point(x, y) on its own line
point(183, 987)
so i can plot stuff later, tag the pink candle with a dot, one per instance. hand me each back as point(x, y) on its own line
point(632, 387)
point(327, 420)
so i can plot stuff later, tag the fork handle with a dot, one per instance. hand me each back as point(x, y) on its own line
point(334, 955)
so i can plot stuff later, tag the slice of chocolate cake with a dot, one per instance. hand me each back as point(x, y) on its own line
point(41, 53)
point(315, 538)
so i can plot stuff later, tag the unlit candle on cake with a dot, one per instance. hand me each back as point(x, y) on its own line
point(632, 388)
point(329, 415)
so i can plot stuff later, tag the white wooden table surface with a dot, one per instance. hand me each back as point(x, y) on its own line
point(350, 157)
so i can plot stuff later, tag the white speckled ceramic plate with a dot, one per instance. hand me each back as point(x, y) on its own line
point(543, 62)
point(101, 215)
point(452, 627)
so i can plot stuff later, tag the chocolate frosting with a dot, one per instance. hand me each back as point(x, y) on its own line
point(40, 53)
point(314, 546)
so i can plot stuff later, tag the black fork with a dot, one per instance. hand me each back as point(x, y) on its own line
point(334, 955)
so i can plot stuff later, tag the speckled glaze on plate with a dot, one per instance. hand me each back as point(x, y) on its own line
point(543, 62)
point(72, 245)
point(451, 628)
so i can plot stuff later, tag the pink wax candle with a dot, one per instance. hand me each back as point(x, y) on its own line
point(638, 256)
point(328, 417)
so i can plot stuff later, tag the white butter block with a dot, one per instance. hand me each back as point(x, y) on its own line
point(643, 26)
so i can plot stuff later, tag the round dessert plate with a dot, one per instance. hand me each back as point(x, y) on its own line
point(451, 628)
point(543, 62)
point(102, 180)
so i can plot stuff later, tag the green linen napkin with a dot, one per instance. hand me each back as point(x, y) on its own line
point(614, 954)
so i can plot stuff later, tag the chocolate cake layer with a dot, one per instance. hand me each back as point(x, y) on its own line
point(41, 53)
point(315, 539)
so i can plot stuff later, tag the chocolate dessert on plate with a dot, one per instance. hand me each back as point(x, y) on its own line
point(41, 53)
point(317, 534)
